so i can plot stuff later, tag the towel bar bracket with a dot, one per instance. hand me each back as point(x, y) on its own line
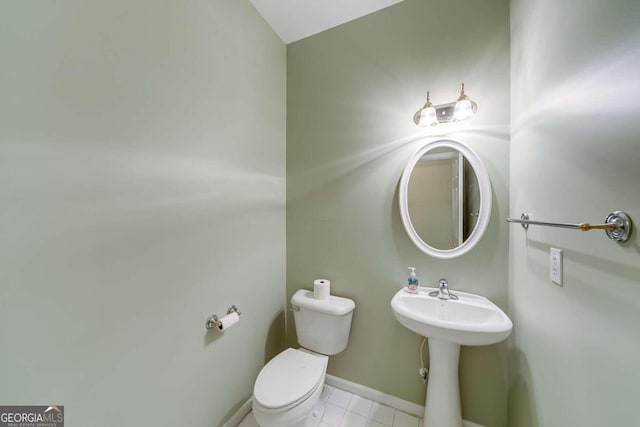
point(622, 232)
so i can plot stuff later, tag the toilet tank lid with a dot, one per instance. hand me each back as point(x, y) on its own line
point(333, 305)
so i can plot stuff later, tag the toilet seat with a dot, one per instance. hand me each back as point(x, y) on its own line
point(288, 379)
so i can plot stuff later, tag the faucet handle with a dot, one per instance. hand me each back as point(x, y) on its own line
point(443, 291)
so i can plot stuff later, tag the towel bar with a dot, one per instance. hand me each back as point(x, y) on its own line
point(617, 225)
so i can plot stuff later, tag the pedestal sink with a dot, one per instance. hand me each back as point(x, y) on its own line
point(448, 324)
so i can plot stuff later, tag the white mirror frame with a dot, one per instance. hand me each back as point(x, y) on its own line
point(484, 184)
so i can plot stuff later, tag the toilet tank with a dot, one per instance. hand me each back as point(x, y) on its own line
point(322, 325)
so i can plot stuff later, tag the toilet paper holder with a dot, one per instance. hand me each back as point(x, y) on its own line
point(214, 322)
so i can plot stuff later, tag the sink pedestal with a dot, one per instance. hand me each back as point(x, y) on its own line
point(442, 408)
point(468, 320)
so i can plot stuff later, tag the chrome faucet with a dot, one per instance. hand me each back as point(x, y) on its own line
point(443, 291)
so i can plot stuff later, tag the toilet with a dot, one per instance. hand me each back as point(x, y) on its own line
point(287, 390)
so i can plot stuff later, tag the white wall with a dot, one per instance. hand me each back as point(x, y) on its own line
point(137, 197)
point(575, 156)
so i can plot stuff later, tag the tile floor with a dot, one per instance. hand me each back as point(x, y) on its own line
point(344, 409)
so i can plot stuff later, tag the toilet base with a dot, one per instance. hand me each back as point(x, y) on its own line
point(315, 417)
point(313, 407)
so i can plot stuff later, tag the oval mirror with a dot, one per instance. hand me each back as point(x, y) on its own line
point(445, 198)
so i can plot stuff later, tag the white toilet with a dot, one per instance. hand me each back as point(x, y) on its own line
point(287, 391)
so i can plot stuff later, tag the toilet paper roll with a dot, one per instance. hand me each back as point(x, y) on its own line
point(228, 321)
point(321, 288)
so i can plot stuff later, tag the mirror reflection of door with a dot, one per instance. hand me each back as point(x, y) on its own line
point(471, 200)
point(433, 199)
point(443, 198)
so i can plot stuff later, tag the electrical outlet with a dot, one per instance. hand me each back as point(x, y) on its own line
point(555, 266)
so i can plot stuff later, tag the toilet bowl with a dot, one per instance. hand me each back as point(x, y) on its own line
point(287, 390)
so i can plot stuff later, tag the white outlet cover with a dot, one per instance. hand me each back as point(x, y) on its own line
point(555, 266)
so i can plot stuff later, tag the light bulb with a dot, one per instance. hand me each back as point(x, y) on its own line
point(462, 111)
point(428, 117)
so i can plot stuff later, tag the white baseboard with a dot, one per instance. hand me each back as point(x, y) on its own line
point(239, 415)
point(361, 390)
point(383, 398)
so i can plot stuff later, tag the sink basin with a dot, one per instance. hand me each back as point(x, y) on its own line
point(448, 324)
point(470, 320)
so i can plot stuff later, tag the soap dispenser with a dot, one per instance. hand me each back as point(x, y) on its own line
point(412, 281)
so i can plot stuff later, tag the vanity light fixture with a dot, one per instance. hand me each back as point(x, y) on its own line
point(462, 110)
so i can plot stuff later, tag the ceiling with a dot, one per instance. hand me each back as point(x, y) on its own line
point(296, 19)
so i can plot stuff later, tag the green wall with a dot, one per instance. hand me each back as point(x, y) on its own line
point(351, 94)
point(138, 196)
point(139, 193)
point(575, 153)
